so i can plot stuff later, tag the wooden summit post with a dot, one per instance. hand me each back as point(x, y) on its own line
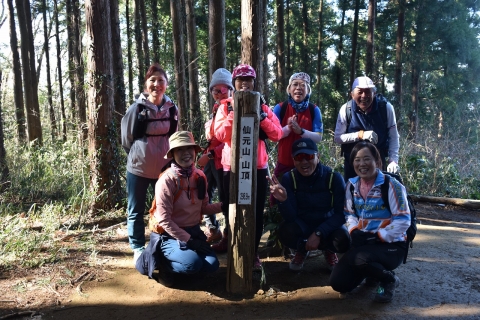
point(243, 184)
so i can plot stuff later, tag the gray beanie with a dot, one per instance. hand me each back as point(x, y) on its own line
point(221, 76)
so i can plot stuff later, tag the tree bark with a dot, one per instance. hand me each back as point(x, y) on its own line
point(353, 58)
point(4, 171)
point(103, 147)
point(53, 122)
point(30, 85)
point(304, 54)
point(280, 75)
point(252, 38)
point(155, 29)
point(138, 45)
point(59, 72)
point(146, 53)
point(398, 60)
point(370, 56)
point(288, 31)
point(195, 121)
point(129, 51)
point(17, 77)
point(179, 52)
point(216, 38)
point(319, 53)
point(118, 82)
point(71, 63)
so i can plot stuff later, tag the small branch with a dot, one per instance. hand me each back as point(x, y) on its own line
point(91, 231)
point(79, 278)
point(466, 203)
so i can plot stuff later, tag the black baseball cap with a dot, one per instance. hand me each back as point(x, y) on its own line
point(304, 145)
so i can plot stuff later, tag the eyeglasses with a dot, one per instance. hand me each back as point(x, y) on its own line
point(299, 85)
point(222, 90)
point(301, 156)
point(244, 79)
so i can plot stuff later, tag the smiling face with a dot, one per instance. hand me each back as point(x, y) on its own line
point(365, 165)
point(156, 85)
point(298, 90)
point(184, 156)
point(305, 163)
point(244, 83)
point(363, 97)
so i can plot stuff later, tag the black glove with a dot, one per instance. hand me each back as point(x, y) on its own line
point(360, 238)
point(198, 245)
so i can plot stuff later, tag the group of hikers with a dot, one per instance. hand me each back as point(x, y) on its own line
point(321, 210)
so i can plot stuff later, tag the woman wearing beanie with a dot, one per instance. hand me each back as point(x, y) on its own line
point(211, 160)
point(244, 80)
point(299, 119)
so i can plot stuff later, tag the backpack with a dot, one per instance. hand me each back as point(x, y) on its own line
point(141, 123)
point(329, 183)
point(199, 177)
point(412, 230)
point(283, 110)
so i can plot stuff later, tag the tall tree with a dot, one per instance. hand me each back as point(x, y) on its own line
point(288, 29)
point(179, 52)
point(53, 122)
point(216, 38)
point(144, 25)
point(79, 67)
point(103, 147)
point(155, 29)
point(305, 36)
point(319, 53)
point(118, 83)
point(4, 171)
point(398, 56)
point(17, 77)
point(129, 51)
point(59, 72)
point(71, 61)
point(280, 36)
point(138, 45)
point(353, 58)
point(252, 38)
point(30, 84)
point(195, 121)
point(370, 59)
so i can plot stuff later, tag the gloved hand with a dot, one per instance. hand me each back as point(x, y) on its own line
point(360, 238)
point(370, 136)
point(393, 167)
point(198, 245)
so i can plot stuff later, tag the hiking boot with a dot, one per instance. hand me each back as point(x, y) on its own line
point(386, 291)
point(257, 263)
point(330, 258)
point(213, 235)
point(163, 277)
point(222, 246)
point(136, 254)
point(296, 264)
point(371, 282)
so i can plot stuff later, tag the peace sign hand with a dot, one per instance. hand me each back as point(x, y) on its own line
point(276, 189)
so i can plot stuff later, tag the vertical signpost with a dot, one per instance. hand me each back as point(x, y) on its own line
point(243, 192)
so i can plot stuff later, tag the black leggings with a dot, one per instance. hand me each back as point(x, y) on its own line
point(371, 260)
point(262, 184)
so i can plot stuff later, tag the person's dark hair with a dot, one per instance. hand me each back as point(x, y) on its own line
point(366, 144)
point(155, 68)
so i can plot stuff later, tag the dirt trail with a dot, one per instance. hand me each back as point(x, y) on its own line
point(441, 280)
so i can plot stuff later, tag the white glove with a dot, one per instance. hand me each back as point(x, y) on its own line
point(393, 167)
point(370, 136)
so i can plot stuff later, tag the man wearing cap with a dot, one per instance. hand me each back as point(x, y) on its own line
point(367, 116)
point(310, 199)
point(299, 119)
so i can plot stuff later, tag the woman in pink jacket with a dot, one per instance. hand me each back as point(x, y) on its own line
point(177, 244)
point(243, 77)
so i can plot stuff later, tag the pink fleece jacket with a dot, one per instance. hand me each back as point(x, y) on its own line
point(223, 132)
point(173, 216)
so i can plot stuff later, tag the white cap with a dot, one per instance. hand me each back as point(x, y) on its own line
point(363, 83)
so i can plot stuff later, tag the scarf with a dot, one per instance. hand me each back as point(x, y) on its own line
point(299, 107)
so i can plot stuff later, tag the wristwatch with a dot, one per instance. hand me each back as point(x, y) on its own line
point(318, 234)
point(210, 154)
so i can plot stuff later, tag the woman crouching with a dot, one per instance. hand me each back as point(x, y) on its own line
point(177, 244)
point(378, 233)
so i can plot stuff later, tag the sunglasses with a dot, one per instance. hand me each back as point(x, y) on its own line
point(222, 90)
point(301, 156)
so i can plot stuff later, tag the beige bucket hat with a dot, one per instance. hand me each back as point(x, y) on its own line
point(181, 139)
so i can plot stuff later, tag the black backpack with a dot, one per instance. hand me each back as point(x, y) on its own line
point(328, 183)
point(140, 126)
point(412, 230)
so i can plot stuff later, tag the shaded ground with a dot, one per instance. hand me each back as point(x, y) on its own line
point(441, 280)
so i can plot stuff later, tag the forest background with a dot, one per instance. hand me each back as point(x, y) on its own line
point(69, 69)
